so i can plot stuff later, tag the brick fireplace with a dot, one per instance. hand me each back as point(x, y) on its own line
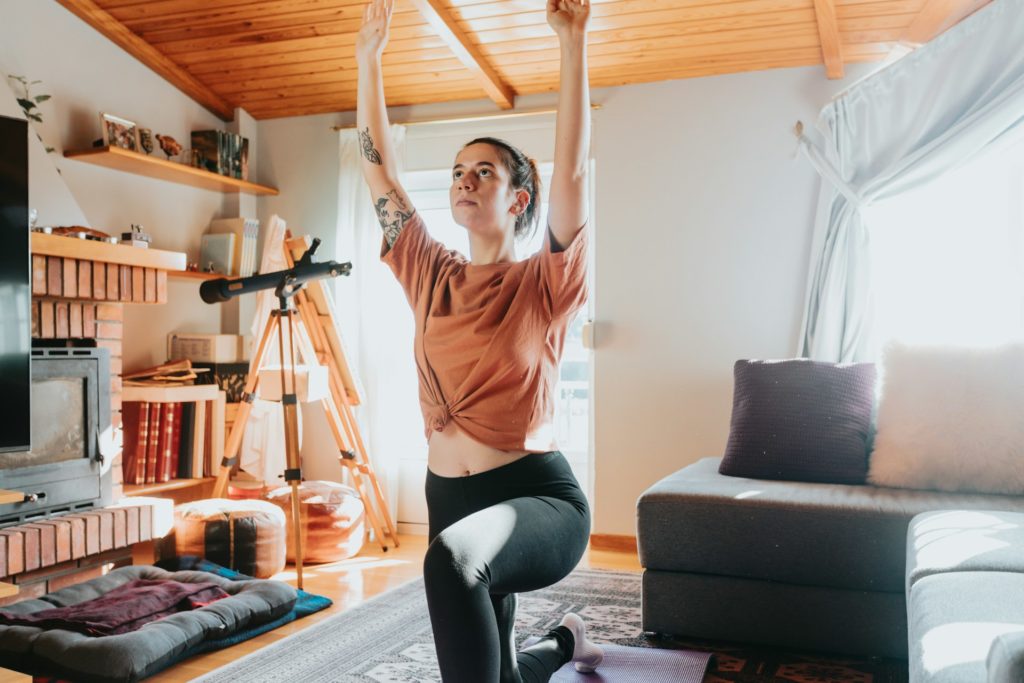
point(79, 290)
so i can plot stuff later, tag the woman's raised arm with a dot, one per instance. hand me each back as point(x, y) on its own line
point(568, 201)
point(389, 199)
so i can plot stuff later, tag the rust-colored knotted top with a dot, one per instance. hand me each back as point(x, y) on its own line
point(489, 337)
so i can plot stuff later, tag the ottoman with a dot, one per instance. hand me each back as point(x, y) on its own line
point(245, 535)
point(331, 520)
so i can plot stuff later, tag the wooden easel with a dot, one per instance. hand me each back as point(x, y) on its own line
point(317, 336)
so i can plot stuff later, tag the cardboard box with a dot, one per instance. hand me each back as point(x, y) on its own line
point(206, 348)
point(311, 383)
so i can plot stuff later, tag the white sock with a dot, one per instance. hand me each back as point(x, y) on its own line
point(586, 655)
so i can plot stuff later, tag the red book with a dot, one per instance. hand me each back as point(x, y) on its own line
point(152, 448)
point(176, 441)
point(167, 443)
point(132, 413)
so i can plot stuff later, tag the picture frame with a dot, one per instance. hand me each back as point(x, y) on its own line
point(119, 132)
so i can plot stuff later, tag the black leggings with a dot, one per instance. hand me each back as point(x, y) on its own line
point(516, 528)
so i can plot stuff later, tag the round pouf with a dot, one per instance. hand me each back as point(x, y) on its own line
point(245, 535)
point(331, 520)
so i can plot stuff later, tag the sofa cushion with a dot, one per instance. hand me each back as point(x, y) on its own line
point(955, 619)
point(842, 536)
point(951, 420)
point(964, 540)
point(800, 420)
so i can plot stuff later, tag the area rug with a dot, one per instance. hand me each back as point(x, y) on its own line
point(387, 639)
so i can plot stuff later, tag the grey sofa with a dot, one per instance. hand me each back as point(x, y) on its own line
point(798, 565)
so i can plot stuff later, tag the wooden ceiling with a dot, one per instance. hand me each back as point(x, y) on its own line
point(277, 58)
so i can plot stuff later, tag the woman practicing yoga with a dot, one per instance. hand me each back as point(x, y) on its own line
point(506, 513)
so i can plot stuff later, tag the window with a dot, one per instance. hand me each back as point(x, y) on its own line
point(948, 258)
point(428, 191)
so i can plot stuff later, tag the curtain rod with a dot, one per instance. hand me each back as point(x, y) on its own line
point(472, 117)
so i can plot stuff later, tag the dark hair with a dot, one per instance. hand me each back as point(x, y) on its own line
point(522, 171)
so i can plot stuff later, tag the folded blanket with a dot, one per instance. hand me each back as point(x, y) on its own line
point(125, 608)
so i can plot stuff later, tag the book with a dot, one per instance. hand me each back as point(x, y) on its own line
point(184, 438)
point(246, 232)
point(175, 443)
point(155, 411)
point(166, 469)
point(131, 423)
point(208, 144)
point(217, 253)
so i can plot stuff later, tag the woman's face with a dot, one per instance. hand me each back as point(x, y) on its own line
point(481, 195)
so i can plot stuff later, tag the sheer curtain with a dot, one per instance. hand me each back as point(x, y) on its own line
point(377, 325)
point(940, 106)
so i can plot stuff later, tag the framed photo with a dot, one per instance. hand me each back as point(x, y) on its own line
point(118, 132)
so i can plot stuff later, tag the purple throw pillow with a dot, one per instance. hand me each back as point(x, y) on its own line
point(800, 420)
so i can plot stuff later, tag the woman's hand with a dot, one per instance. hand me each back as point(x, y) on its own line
point(569, 17)
point(373, 34)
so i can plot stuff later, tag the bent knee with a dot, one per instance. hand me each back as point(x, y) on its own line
point(447, 562)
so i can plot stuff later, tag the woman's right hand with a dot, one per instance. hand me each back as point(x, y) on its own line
point(373, 34)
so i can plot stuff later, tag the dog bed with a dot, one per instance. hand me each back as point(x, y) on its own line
point(129, 657)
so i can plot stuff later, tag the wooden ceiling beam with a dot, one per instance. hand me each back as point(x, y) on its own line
point(102, 21)
point(828, 32)
point(936, 17)
point(467, 52)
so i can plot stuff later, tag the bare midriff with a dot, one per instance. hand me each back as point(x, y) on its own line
point(452, 453)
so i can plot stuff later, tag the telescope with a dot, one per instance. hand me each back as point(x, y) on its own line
point(284, 282)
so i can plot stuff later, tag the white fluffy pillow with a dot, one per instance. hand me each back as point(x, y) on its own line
point(951, 419)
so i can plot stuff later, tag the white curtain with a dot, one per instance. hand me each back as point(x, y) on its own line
point(378, 326)
point(956, 97)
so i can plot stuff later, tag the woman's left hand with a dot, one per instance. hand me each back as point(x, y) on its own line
point(568, 17)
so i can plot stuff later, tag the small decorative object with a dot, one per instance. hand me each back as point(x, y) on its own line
point(136, 237)
point(81, 232)
point(192, 267)
point(118, 132)
point(146, 140)
point(169, 145)
point(33, 216)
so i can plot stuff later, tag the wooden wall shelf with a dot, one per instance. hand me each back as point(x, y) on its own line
point(193, 275)
point(155, 167)
point(92, 250)
point(172, 485)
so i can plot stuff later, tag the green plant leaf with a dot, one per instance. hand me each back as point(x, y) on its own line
point(50, 150)
point(26, 104)
point(34, 82)
point(42, 98)
point(35, 117)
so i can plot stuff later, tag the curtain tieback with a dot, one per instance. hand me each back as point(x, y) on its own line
point(827, 170)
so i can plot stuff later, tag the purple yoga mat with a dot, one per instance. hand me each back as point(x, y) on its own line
point(638, 665)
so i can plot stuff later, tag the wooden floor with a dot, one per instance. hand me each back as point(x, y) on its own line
point(347, 583)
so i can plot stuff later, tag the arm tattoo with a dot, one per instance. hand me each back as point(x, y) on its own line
point(392, 224)
point(366, 143)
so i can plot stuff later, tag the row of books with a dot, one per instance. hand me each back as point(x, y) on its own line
point(163, 441)
point(229, 246)
point(222, 152)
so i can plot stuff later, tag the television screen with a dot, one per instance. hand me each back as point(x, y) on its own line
point(15, 288)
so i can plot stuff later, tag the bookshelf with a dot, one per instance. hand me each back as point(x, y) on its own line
point(163, 169)
point(211, 406)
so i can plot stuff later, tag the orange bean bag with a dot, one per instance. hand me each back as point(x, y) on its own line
point(332, 520)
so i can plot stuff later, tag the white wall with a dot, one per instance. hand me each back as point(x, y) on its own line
point(703, 226)
point(86, 73)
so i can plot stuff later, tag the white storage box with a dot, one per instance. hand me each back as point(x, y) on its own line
point(310, 383)
point(206, 348)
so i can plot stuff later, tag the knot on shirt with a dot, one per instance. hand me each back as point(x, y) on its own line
point(439, 417)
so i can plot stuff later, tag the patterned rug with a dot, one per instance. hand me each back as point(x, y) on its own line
point(388, 640)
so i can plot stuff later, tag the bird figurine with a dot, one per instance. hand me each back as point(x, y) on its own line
point(169, 145)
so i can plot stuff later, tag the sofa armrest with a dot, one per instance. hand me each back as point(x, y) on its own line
point(1005, 663)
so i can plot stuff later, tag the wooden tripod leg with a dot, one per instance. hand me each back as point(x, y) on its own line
point(339, 439)
point(364, 462)
point(244, 408)
point(371, 513)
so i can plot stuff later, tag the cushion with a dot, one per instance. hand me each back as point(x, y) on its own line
point(700, 521)
point(955, 619)
point(800, 420)
point(951, 419)
point(137, 654)
point(245, 535)
point(965, 540)
point(331, 520)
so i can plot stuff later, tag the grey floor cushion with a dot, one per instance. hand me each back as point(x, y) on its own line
point(132, 656)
